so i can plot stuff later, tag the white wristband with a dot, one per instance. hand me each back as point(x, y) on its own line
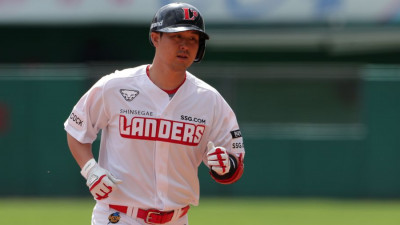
point(87, 167)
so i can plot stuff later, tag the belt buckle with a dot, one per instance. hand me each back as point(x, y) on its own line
point(148, 217)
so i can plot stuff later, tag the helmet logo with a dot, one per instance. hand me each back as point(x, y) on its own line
point(190, 14)
point(157, 24)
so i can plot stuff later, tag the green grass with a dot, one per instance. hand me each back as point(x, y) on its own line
point(216, 211)
point(45, 211)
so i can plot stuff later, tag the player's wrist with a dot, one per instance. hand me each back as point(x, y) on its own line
point(234, 174)
point(89, 165)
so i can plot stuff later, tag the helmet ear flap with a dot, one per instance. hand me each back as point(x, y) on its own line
point(201, 51)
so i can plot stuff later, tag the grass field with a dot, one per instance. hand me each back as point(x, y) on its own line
point(216, 211)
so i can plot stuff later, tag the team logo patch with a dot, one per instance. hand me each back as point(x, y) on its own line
point(236, 134)
point(114, 218)
point(129, 95)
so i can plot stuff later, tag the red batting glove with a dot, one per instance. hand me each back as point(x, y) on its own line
point(218, 159)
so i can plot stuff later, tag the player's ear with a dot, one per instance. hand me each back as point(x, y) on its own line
point(155, 38)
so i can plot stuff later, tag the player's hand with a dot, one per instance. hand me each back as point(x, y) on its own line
point(100, 181)
point(218, 159)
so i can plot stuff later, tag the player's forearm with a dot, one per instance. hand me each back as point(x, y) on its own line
point(81, 152)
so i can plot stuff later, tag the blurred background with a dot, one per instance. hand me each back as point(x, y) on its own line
point(315, 85)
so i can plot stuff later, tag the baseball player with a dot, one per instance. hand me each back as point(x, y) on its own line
point(159, 123)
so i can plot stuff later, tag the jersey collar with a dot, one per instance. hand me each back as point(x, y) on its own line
point(169, 92)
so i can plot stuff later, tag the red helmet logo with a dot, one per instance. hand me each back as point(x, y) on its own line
point(190, 14)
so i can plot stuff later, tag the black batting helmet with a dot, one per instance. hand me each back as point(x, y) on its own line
point(178, 17)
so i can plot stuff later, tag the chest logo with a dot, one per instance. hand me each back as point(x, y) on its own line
point(154, 129)
point(129, 95)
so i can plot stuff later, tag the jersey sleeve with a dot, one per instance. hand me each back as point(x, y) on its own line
point(88, 116)
point(225, 132)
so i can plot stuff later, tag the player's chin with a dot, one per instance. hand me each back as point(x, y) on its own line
point(186, 61)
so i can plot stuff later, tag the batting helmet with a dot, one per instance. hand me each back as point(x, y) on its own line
point(178, 17)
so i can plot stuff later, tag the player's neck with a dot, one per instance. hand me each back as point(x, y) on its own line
point(166, 78)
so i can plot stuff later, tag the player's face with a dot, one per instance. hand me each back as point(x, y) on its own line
point(179, 48)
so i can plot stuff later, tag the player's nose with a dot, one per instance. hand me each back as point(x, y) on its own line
point(183, 45)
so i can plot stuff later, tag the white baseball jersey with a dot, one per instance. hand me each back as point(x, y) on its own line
point(154, 144)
